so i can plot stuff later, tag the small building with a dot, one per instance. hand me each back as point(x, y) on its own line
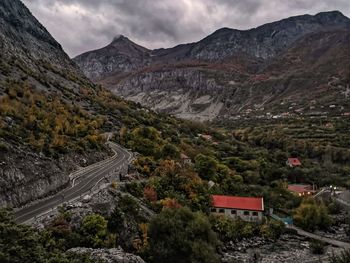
point(185, 159)
point(301, 189)
point(249, 209)
point(293, 162)
point(206, 137)
point(329, 125)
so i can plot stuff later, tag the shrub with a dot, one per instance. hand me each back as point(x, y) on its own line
point(311, 216)
point(150, 194)
point(317, 247)
point(179, 235)
point(94, 230)
point(3, 147)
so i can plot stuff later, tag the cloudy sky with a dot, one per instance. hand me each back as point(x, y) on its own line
point(83, 25)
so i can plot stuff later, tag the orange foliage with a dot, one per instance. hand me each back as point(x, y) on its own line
point(150, 194)
point(170, 203)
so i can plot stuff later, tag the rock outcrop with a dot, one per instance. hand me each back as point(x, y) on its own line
point(112, 255)
point(26, 176)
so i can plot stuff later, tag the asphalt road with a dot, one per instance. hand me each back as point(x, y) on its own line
point(88, 178)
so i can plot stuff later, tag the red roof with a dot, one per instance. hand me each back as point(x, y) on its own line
point(294, 161)
point(300, 188)
point(242, 203)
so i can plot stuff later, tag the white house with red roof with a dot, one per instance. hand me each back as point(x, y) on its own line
point(293, 162)
point(249, 209)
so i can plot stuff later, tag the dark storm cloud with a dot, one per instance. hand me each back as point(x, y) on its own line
point(82, 25)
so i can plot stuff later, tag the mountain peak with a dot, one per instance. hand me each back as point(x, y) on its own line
point(332, 16)
point(118, 38)
point(331, 13)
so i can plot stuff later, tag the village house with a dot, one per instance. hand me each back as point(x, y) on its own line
point(329, 125)
point(206, 137)
point(301, 189)
point(185, 159)
point(293, 162)
point(249, 209)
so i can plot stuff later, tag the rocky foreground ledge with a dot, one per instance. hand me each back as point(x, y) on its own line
point(112, 255)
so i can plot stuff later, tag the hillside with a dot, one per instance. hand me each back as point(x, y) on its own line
point(234, 73)
point(52, 118)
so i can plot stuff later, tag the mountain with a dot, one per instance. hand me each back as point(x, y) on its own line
point(23, 36)
point(233, 73)
point(122, 55)
point(40, 108)
point(53, 119)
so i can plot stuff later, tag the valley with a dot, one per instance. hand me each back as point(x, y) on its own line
point(235, 148)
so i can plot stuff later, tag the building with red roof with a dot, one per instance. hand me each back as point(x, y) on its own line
point(293, 162)
point(301, 189)
point(249, 209)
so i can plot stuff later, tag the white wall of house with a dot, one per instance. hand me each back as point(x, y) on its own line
point(246, 215)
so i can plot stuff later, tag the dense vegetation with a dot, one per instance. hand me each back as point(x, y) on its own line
point(19, 244)
point(245, 159)
point(48, 125)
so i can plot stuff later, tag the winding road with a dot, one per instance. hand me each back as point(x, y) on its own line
point(82, 182)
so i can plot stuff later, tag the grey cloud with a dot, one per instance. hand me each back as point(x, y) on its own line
point(82, 25)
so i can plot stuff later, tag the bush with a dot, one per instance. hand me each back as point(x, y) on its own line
point(311, 216)
point(317, 247)
point(3, 147)
point(94, 230)
point(273, 229)
point(20, 243)
point(179, 235)
point(334, 208)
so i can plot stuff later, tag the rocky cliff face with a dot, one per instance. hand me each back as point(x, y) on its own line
point(21, 35)
point(26, 175)
point(233, 73)
point(34, 71)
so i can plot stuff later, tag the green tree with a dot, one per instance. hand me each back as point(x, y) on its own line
point(179, 235)
point(205, 166)
point(20, 244)
point(170, 151)
point(311, 215)
point(94, 230)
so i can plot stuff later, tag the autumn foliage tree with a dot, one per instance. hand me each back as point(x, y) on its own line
point(150, 194)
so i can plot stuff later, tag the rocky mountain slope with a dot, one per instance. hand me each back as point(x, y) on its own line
point(122, 55)
point(52, 118)
point(38, 86)
point(234, 73)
